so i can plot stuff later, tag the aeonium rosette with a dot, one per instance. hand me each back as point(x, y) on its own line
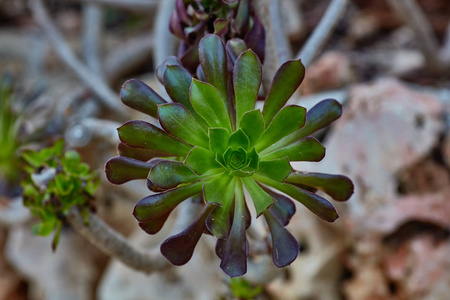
point(213, 143)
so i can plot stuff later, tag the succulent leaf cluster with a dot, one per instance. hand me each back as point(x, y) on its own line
point(56, 181)
point(212, 143)
point(193, 19)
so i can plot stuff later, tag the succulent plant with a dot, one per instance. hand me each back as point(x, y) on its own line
point(55, 182)
point(213, 142)
point(193, 19)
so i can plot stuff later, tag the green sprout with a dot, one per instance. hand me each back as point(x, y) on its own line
point(242, 289)
point(213, 143)
point(55, 182)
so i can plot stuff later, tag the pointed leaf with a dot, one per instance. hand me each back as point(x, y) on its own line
point(283, 209)
point(178, 249)
point(218, 140)
point(307, 149)
point(144, 135)
point(253, 125)
point(177, 81)
point(122, 169)
point(139, 153)
point(169, 174)
point(261, 199)
point(276, 169)
point(284, 84)
point(246, 81)
point(139, 96)
point(201, 160)
point(285, 247)
point(234, 258)
point(339, 187)
point(287, 120)
point(219, 191)
point(213, 59)
point(208, 103)
point(238, 139)
point(178, 121)
point(155, 206)
point(318, 205)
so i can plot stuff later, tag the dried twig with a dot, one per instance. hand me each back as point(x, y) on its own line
point(96, 84)
point(166, 40)
point(114, 244)
point(277, 45)
point(411, 13)
point(322, 32)
point(130, 5)
point(92, 31)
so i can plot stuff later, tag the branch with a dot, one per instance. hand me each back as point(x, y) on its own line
point(412, 15)
point(96, 84)
point(322, 32)
point(130, 5)
point(92, 31)
point(277, 49)
point(166, 40)
point(114, 244)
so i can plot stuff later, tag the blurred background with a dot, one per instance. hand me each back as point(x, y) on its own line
point(62, 64)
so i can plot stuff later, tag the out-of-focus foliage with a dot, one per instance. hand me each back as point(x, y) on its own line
point(56, 181)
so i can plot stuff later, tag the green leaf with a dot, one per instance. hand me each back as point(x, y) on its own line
point(246, 80)
point(155, 206)
point(238, 139)
point(213, 59)
point(253, 159)
point(318, 117)
point(339, 187)
point(261, 199)
point(139, 153)
point(139, 96)
point(37, 159)
point(144, 135)
point(209, 104)
point(218, 140)
point(168, 174)
point(221, 26)
point(287, 120)
point(252, 124)
point(177, 82)
point(161, 69)
point(318, 205)
point(176, 120)
point(121, 169)
point(55, 240)
point(277, 169)
point(307, 149)
point(235, 159)
point(242, 16)
point(284, 84)
point(218, 221)
point(220, 190)
point(201, 160)
point(235, 47)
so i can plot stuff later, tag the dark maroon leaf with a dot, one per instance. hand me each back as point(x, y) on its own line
point(285, 247)
point(139, 153)
point(154, 226)
point(283, 209)
point(178, 249)
point(256, 38)
point(141, 97)
point(122, 169)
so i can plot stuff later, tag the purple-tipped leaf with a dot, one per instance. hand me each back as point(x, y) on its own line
point(256, 38)
point(122, 169)
point(139, 96)
point(178, 249)
point(285, 247)
point(283, 208)
point(318, 205)
point(139, 153)
point(161, 69)
point(154, 226)
point(285, 82)
point(157, 205)
point(221, 27)
point(234, 48)
point(339, 187)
